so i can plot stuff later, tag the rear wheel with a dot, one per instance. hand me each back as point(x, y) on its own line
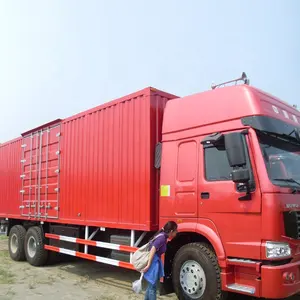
point(36, 255)
point(16, 243)
point(196, 274)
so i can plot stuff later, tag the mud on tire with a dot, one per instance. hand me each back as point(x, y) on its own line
point(196, 273)
point(16, 243)
point(35, 253)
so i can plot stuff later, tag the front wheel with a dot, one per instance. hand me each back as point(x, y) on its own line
point(196, 273)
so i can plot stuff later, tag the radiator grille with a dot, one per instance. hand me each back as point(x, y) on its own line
point(292, 224)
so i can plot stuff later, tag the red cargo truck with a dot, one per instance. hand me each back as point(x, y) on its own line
point(223, 164)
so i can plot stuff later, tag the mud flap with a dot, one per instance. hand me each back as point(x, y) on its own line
point(166, 287)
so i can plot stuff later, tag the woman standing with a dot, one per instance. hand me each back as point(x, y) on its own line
point(154, 269)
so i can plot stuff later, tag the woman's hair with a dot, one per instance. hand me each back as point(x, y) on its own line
point(169, 227)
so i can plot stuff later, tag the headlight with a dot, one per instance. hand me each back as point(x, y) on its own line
point(277, 250)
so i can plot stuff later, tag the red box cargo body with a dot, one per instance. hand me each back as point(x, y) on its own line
point(95, 168)
point(10, 182)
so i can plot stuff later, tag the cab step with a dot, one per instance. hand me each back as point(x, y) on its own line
point(241, 288)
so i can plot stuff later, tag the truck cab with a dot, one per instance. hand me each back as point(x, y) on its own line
point(229, 176)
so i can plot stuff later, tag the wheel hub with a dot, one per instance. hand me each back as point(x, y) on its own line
point(31, 246)
point(14, 243)
point(192, 279)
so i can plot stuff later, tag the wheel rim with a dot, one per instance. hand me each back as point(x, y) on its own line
point(14, 243)
point(31, 246)
point(192, 279)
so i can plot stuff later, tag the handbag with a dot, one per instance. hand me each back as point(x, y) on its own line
point(140, 257)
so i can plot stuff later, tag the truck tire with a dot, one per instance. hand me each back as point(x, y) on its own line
point(196, 273)
point(35, 253)
point(16, 243)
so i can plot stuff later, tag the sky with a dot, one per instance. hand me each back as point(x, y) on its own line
point(60, 57)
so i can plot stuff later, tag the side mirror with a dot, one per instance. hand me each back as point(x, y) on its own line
point(240, 175)
point(236, 155)
point(235, 149)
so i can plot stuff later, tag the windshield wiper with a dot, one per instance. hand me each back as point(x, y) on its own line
point(287, 180)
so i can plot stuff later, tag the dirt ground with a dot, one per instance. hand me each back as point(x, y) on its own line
point(80, 280)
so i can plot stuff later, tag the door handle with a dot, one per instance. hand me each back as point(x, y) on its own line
point(205, 195)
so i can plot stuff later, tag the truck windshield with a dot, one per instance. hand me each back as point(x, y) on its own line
point(282, 159)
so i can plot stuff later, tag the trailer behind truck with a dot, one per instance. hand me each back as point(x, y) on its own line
point(224, 164)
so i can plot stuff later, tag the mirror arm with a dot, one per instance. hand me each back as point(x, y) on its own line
point(246, 197)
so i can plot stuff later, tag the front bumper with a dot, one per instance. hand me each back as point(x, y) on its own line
point(274, 282)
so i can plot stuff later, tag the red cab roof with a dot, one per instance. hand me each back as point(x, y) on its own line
point(224, 105)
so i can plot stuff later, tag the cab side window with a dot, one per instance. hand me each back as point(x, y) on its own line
point(217, 167)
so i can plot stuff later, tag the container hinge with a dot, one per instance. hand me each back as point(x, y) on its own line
point(22, 176)
point(58, 134)
point(56, 208)
point(57, 152)
point(23, 160)
point(56, 189)
point(21, 206)
point(22, 191)
point(57, 171)
point(23, 145)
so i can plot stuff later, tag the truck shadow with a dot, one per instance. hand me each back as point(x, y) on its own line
point(101, 274)
point(115, 277)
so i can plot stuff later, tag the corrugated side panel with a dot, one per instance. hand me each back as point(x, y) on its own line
point(10, 181)
point(74, 173)
point(107, 158)
point(122, 163)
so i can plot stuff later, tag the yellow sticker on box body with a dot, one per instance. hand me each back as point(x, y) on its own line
point(165, 190)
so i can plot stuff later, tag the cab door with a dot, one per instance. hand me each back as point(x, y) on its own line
point(236, 217)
